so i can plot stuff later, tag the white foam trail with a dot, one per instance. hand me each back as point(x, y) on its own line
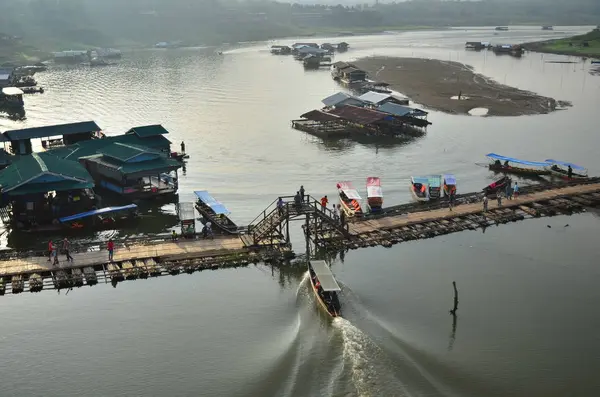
point(301, 288)
point(364, 355)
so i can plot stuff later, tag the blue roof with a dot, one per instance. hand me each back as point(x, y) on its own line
point(101, 211)
point(495, 156)
point(209, 200)
point(564, 163)
point(450, 179)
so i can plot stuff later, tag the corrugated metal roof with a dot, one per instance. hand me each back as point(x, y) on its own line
point(126, 152)
point(148, 130)
point(52, 130)
point(320, 116)
point(12, 91)
point(395, 109)
point(374, 97)
point(340, 97)
point(359, 115)
point(152, 167)
point(27, 169)
point(4, 76)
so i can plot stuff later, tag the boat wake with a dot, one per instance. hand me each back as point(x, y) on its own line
point(369, 371)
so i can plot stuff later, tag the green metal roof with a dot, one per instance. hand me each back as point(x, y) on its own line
point(93, 146)
point(152, 167)
point(148, 130)
point(52, 130)
point(43, 172)
point(125, 152)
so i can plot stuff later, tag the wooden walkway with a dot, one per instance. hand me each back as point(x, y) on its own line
point(392, 222)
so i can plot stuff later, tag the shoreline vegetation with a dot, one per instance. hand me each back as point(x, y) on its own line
point(434, 83)
point(585, 45)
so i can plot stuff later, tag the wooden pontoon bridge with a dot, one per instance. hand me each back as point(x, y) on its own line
point(267, 238)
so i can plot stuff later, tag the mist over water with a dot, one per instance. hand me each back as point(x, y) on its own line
point(527, 316)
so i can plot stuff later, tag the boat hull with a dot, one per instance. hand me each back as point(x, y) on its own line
point(351, 211)
point(564, 175)
point(518, 170)
point(416, 196)
point(224, 224)
point(320, 302)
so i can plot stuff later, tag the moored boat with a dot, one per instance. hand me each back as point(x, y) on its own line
point(496, 186)
point(516, 166)
point(374, 194)
point(100, 219)
point(449, 184)
point(349, 199)
point(426, 188)
point(215, 212)
point(325, 287)
point(561, 170)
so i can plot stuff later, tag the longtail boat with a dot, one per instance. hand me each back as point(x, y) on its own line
point(515, 166)
point(374, 194)
point(215, 212)
point(349, 199)
point(496, 186)
point(449, 181)
point(425, 188)
point(561, 170)
point(325, 287)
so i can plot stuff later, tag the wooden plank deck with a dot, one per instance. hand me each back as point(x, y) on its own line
point(361, 227)
point(38, 264)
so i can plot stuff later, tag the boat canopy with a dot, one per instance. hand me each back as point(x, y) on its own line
point(565, 164)
point(349, 190)
point(495, 156)
point(434, 181)
point(101, 211)
point(325, 276)
point(374, 187)
point(209, 200)
point(423, 180)
point(450, 179)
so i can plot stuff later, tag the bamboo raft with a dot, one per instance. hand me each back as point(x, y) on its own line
point(138, 260)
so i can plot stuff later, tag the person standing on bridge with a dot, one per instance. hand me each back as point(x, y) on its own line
point(485, 203)
point(336, 213)
point(66, 249)
point(516, 190)
point(324, 202)
point(280, 205)
point(509, 189)
point(499, 198)
point(111, 249)
point(301, 193)
point(569, 172)
point(342, 217)
point(298, 201)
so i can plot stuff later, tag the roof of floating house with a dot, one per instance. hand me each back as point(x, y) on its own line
point(360, 115)
point(376, 98)
point(130, 159)
point(343, 65)
point(320, 116)
point(128, 153)
point(400, 110)
point(92, 147)
point(341, 98)
point(52, 130)
point(148, 130)
point(41, 173)
point(352, 69)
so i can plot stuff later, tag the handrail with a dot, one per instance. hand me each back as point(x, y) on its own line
point(267, 207)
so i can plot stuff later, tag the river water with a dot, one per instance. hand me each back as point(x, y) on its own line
point(527, 320)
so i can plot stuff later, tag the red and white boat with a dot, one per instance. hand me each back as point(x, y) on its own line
point(374, 194)
point(349, 199)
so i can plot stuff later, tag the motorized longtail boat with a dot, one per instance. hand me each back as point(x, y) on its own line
point(103, 218)
point(561, 170)
point(449, 184)
point(215, 212)
point(515, 166)
point(425, 188)
point(497, 186)
point(374, 194)
point(349, 199)
point(325, 287)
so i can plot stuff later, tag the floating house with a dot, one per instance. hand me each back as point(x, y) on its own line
point(477, 45)
point(133, 171)
point(342, 47)
point(411, 116)
point(304, 51)
point(11, 97)
point(39, 188)
point(51, 136)
point(349, 120)
point(281, 50)
point(341, 99)
point(6, 77)
point(347, 73)
point(375, 99)
point(510, 49)
point(70, 56)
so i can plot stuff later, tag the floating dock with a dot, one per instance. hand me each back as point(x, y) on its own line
point(267, 237)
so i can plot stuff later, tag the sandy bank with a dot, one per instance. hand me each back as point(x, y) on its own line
point(433, 83)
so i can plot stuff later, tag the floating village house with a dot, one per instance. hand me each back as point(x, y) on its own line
point(347, 73)
point(51, 136)
point(375, 99)
point(6, 77)
point(341, 99)
point(281, 50)
point(39, 188)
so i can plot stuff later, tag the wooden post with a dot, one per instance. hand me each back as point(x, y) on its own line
point(453, 311)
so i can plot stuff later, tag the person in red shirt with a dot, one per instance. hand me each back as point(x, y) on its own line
point(50, 250)
point(324, 202)
point(111, 248)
